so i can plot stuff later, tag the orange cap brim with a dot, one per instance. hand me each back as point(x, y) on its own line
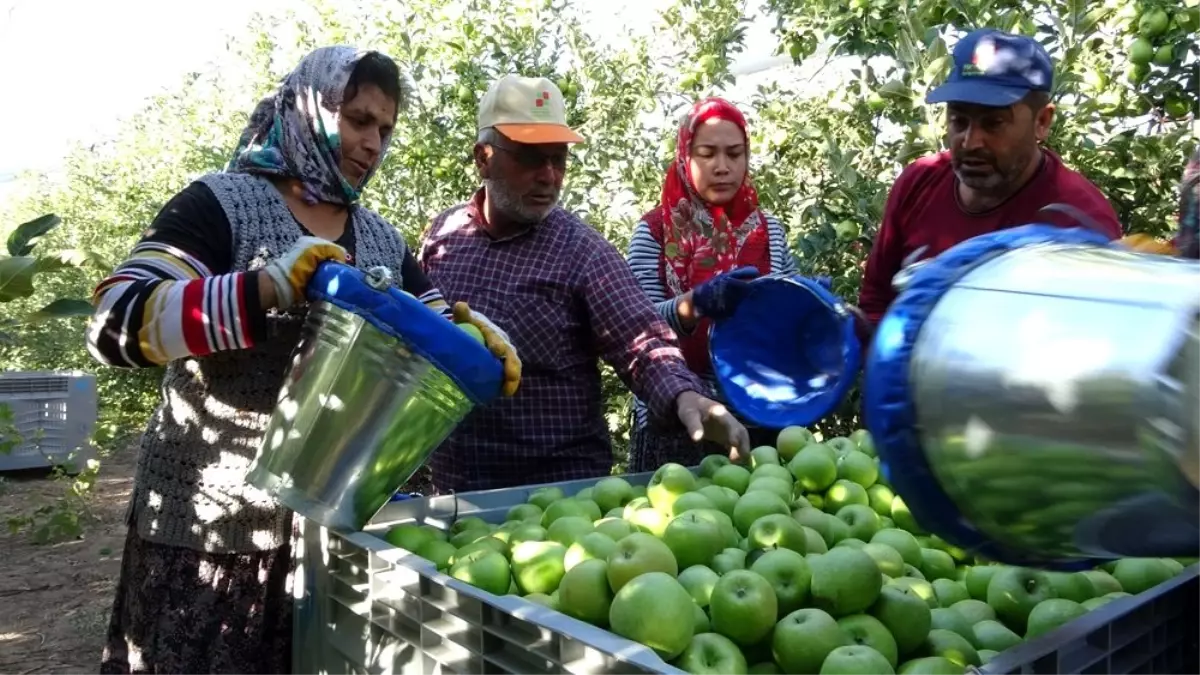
point(538, 134)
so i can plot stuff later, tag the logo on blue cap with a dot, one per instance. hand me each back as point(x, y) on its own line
point(994, 68)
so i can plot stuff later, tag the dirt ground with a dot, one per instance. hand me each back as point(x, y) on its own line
point(56, 597)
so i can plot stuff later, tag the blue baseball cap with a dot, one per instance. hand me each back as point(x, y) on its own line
point(994, 68)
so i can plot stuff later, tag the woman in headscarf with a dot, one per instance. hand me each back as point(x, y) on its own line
point(215, 292)
point(694, 255)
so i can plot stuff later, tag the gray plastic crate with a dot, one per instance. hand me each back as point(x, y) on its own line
point(54, 415)
point(370, 607)
point(1152, 632)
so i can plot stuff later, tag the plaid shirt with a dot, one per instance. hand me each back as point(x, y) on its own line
point(566, 297)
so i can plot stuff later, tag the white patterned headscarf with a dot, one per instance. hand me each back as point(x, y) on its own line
point(293, 132)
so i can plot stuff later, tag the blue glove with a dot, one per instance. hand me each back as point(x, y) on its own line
point(718, 297)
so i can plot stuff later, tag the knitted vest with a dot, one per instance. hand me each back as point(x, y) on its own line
point(190, 489)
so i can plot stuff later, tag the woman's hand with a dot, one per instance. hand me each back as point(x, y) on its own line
point(289, 274)
point(1144, 243)
point(498, 343)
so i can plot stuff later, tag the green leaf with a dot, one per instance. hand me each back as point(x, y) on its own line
point(16, 277)
point(23, 238)
point(61, 308)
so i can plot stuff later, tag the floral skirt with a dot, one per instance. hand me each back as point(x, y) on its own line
point(179, 610)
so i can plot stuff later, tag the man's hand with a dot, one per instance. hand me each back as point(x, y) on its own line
point(706, 419)
point(497, 341)
point(1144, 243)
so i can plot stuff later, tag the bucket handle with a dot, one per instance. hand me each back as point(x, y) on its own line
point(1080, 217)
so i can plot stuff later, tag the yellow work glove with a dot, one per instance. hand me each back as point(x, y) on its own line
point(497, 341)
point(291, 272)
point(1144, 243)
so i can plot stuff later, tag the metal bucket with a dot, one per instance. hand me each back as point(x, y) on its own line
point(377, 382)
point(1033, 395)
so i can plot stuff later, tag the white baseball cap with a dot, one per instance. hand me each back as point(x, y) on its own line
point(527, 110)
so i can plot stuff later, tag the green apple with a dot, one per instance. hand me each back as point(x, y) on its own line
point(861, 519)
point(408, 536)
point(666, 485)
point(469, 523)
point(490, 543)
point(529, 512)
point(569, 529)
point(564, 508)
point(879, 498)
point(764, 668)
point(903, 517)
point(862, 439)
point(527, 532)
point(650, 521)
point(584, 593)
point(904, 543)
point(590, 509)
point(763, 454)
point(469, 536)
point(1137, 575)
point(930, 665)
point(974, 610)
point(851, 543)
point(814, 542)
point(814, 518)
point(700, 620)
point(791, 440)
point(814, 468)
point(538, 566)
point(743, 607)
point(723, 522)
point(949, 591)
point(886, 523)
point(774, 485)
point(778, 530)
point(921, 588)
point(1015, 591)
point(858, 467)
point(886, 558)
point(543, 599)
point(948, 619)
point(584, 494)
point(545, 496)
point(647, 610)
point(1103, 582)
point(905, 615)
point(690, 501)
point(910, 571)
point(734, 477)
point(437, 552)
point(804, 638)
point(993, 635)
point(952, 646)
point(836, 529)
point(639, 554)
point(1072, 585)
point(728, 560)
point(978, 578)
point(844, 581)
point(1175, 565)
point(1050, 614)
point(484, 569)
point(634, 505)
point(1089, 605)
point(693, 539)
point(816, 500)
point(844, 493)
point(787, 572)
point(591, 546)
point(614, 528)
point(612, 492)
point(866, 630)
point(699, 582)
point(755, 504)
point(841, 445)
point(936, 564)
point(710, 464)
point(855, 660)
point(723, 498)
point(986, 655)
point(771, 471)
point(712, 654)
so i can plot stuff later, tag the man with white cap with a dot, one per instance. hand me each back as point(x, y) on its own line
point(565, 298)
point(996, 173)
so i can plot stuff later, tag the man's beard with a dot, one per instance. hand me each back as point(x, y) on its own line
point(1002, 177)
point(508, 204)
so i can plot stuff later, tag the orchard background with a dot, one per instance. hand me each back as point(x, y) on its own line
point(823, 157)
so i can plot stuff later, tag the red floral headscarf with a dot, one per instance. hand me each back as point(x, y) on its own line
point(701, 240)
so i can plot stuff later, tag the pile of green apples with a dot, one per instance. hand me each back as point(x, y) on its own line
point(802, 560)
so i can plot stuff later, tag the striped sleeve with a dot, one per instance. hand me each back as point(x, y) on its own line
point(643, 258)
point(175, 296)
point(782, 260)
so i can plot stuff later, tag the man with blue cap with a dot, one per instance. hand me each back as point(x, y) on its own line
point(995, 173)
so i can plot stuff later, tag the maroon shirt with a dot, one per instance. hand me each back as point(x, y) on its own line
point(923, 210)
point(566, 298)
